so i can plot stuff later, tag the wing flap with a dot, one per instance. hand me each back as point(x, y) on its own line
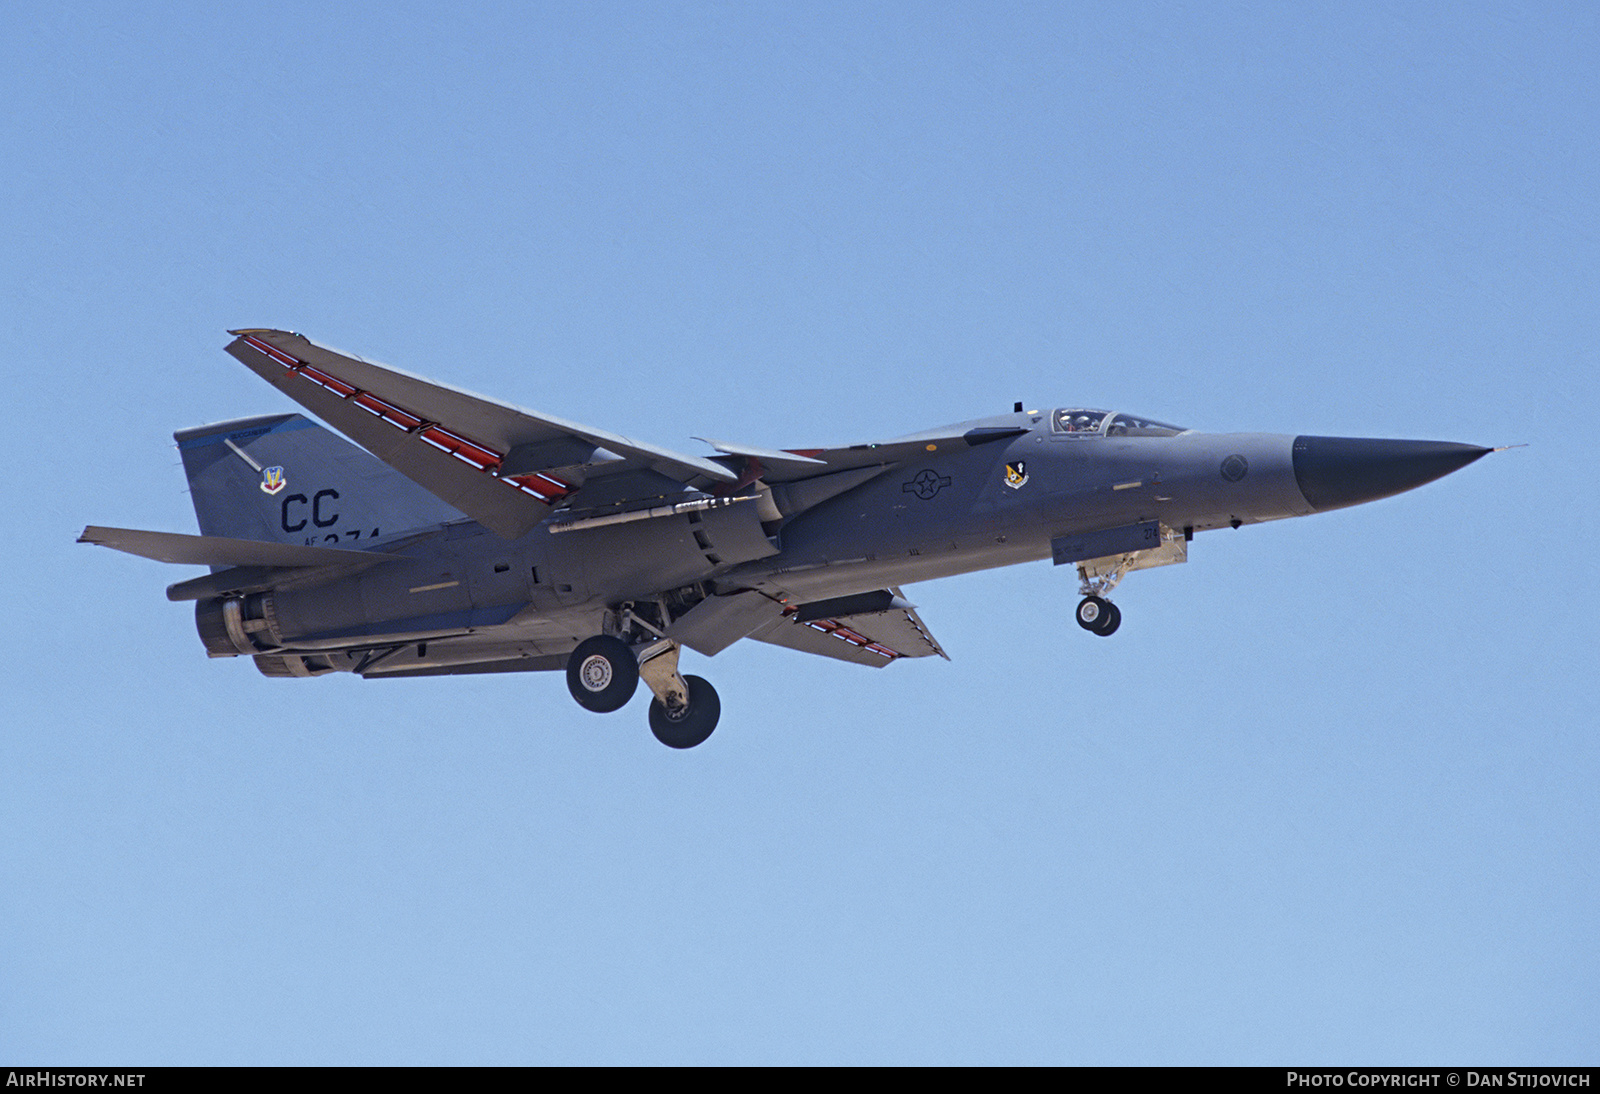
point(874, 638)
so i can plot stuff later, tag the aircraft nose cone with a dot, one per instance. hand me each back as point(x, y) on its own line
point(1334, 472)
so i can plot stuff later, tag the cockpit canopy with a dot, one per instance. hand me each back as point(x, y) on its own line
point(1104, 423)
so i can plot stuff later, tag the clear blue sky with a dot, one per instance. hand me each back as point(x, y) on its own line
point(1328, 796)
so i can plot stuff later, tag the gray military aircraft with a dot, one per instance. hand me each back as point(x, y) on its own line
point(472, 537)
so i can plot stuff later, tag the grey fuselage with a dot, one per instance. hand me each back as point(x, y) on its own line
point(996, 499)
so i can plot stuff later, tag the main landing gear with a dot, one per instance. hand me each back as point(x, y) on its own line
point(602, 674)
point(604, 671)
point(691, 722)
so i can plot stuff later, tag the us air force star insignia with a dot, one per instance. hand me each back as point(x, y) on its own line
point(1017, 474)
point(272, 480)
point(926, 483)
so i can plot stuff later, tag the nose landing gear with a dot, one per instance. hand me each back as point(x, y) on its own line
point(1096, 614)
point(1099, 616)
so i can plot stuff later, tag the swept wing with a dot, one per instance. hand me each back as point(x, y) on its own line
point(503, 467)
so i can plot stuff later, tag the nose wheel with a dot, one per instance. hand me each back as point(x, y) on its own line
point(1098, 615)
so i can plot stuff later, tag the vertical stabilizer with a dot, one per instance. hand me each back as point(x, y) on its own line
point(286, 479)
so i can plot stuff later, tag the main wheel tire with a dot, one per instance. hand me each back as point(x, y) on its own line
point(694, 722)
point(1092, 612)
point(602, 674)
point(1111, 621)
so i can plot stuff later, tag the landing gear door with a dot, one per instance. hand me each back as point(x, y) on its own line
point(1105, 557)
point(1108, 542)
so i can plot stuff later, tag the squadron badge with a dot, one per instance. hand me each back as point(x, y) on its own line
point(272, 480)
point(1017, 474)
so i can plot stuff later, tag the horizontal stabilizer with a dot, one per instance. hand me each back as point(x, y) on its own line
point(220, 551)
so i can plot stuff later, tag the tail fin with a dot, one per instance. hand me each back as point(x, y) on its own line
point(286, 479)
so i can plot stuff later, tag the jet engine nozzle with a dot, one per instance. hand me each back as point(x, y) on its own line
point(235, 625)
point(1335, 472)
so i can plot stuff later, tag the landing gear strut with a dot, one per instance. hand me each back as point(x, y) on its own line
point(604, 672)
point(685, 708)
point(690, 723)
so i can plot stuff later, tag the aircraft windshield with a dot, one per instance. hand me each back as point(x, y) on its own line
point(1129, 425)
point(1095, 423)
point(1077, 421)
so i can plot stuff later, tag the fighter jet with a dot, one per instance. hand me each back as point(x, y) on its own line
point(467, 536)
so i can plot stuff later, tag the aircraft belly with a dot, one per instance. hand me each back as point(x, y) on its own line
point(470, 650)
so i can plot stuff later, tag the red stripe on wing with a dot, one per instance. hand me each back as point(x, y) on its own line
point(546, 488)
